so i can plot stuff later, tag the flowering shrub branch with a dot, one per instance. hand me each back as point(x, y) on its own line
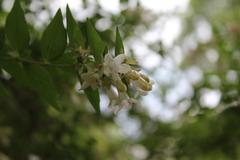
point(97, 69)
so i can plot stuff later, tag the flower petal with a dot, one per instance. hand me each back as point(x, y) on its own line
point(120, 58)
point(108, 58)
point(124, 68)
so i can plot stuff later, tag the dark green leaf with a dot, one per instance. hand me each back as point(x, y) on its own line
point(2, 39)
point(96, 44)
point(119, 48)
point(94, 98)
point(36, 50)
point(41, 81)
point(107, 36)
point(105, 50)
point(16, 70)
point(75, 35)
point(54, 39)
point(4, 92)
point(66, 58)
point(16, 28)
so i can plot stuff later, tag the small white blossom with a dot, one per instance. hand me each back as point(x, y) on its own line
point(118, 100)
point(113, 66)
point(116, 75)
point(91, 78)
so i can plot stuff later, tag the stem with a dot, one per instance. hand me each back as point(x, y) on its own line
point(78, 75)
point(38, 62)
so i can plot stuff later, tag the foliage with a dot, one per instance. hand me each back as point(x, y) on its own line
point(92, 72)
point(44, 116)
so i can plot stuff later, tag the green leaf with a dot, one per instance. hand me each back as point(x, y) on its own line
point(16, 70)
point(96, 44)
point(54, 39)
point(94, 98)
point(16, 28)
point(75, 35)
point(4, 92)
point(66, 58)
point(119, 48)
point(105, 50)
point(41, 81)
point(2, 39)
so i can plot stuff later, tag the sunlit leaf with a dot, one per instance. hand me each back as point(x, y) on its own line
point(54, 39)
point(16, 28)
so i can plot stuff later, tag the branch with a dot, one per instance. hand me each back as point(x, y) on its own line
point(38, 62)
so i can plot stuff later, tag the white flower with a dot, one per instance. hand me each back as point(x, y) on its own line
point(118, 100)
point(113, 66)
point(91, 78)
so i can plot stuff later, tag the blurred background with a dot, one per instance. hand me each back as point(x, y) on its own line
point(189, 48)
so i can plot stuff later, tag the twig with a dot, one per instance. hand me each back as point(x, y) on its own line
point(38, 62)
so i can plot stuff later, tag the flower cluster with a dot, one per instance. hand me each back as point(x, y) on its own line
point(118, 76)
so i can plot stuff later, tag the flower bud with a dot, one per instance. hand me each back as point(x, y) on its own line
point(131, 61)
point(144, 85)
point(145, 77)
point(120, 86)
point(133, 75)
